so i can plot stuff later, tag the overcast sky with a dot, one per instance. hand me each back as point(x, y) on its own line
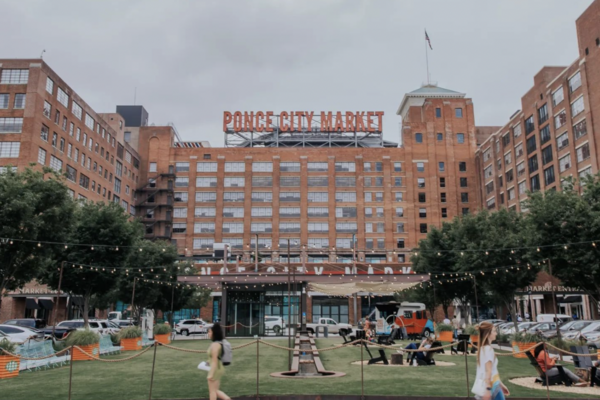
point(192, 60)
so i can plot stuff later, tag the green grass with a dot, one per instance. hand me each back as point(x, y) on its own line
point(176, 376)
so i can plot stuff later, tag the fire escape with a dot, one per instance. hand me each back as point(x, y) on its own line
point(156, 205)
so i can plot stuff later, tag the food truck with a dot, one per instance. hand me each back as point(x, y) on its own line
point(411, 318)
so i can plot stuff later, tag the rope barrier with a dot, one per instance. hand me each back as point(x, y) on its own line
point(112, 361)
point(36, 358)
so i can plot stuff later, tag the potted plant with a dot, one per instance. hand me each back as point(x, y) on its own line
point(162, 333)
point(85, 341)
point(9, 365)
point(523, 341)
point(472, 331)
point(131, 338)
point(444, 332)
point(503, 339)
point(562, 344)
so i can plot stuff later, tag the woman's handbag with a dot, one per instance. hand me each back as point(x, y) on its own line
point(479, 387)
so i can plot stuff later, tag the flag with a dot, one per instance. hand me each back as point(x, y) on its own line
point(428, 41)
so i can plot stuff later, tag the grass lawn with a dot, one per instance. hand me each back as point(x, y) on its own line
point(176, 376)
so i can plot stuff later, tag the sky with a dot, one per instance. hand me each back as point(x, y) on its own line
point(189, 61)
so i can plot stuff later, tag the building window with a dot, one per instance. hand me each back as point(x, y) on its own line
point(505, 140)
point(347, 197)
point(509, 176)
point(517, 130)
point(345, 212)
point(179, 228)
point(438, 112)
point(583, 152)
point(529, 125)
point(318, 212)
point(500, 181)
point(206, 197)
point(421, 182)
point(422, 213)
point(522, 187)
point(487, 154)
point(460, 138)
point(574, 82)
point(84, 181)
point(465, 211)
point(577, 107)
point(542, 114)
point(443, 197)
point(535, 183)
point(397, 182)
point(204, 227)
point(440, 137)
point(262, 181)
point(318, 227)
point(180, 212)
point(318, 197)
point(420, 167)
point(181, 197)
point(531, 145)
point(491, 203)
point(583, 173)
point(346, 227)
point(287, 212)
point(290, 196)
point(399, 227)
point(562, 141)
point(441, 166)
point(4, 100)
point(233, 196)
point(49, 85)
point(63, 98)
point(458, 112)
point(419, 137)
point(71, 174)
point(41, 156)
point(398, 196)
point(547, 155)
point(508, 158)
point(47, 112)
point(262, 197)
point(317, 167)
point(231, 227)
point(89, 121)
point(206, 167)
point(580, 129)
point(488, 172)
point(182, 167)
point(558, 96)
point(422, 197)
point(442, 182)
point(463, 182)
point(203, 243)
point(462, 166)
point(11, 125)
point(266, 211)
point(464, 197)
point(511, 194)
point(564, 163)
point(262, 167)
point(399, 212)
point(181, 181)
point(234, 182)
point(560, 119)
point(206, 181)
point(76, 110)
point(423, 227)
point(14, 76)
point(533, 163)
point(235, 167)
point(444, 213)
point(152, 167)
point(345, 167)
point(289, 167)
point(549, 177)
point(397, 167)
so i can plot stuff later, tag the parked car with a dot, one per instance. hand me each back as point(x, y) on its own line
point(95, 325)
point(332, 326)
point(59, 332)
point(562, 318)
point(590, 332)
point(570, 330)
point(27, 322)
point(509, 329)
point(20, 334)
point(187, 327)
point(494, 322)
point(542, 327)
point(274, 324)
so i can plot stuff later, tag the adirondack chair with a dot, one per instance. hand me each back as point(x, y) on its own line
point(585, 362)
point(373, 360)
point(107, 346)
point(560, 379)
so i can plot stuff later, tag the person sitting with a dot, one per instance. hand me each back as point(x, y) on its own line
point(369, 333)
point(548, 365)
point(422, 349)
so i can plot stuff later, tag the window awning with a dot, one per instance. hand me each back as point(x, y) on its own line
point(347, 289)
point(31, 304)
point(46, 304)
point(570, 299)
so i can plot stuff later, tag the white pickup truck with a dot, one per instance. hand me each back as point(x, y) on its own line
point(333, 326)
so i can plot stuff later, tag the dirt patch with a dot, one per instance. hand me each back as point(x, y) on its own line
point(530, 383)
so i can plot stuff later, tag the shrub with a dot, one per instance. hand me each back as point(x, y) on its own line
point(563, 344)
point(58, 346)
point(131, 332)
point(114, 338)
point(82, 338)
point(443, 328)
point(162, 329)
point(502, 338)
point(524, 337)
point(470, 330)
point(8, 346)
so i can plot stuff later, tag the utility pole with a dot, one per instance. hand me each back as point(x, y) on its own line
point(172, 300)
point(289, 306)
point(62, 266)
point(354, 271)
point(256, 253)
point(554, 300)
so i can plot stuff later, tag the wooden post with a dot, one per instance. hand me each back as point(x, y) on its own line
point(152, 376)
point(71, 371)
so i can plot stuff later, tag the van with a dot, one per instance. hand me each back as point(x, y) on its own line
point(562, 318)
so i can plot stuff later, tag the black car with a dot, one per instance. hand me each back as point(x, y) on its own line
point(59, 332)
point(27, 322)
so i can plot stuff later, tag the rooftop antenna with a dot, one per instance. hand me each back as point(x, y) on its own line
point(42, 55)
point(134, 95)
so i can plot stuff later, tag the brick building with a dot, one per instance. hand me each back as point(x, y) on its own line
point(553, 136)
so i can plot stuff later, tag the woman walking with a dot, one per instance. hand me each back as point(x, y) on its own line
point(488, 383)
point(217, 370)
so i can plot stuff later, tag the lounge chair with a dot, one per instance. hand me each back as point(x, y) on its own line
point(560, 379)
point(586, 362)
point(373, 360)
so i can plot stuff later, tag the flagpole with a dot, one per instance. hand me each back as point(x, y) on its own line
point(426, 56)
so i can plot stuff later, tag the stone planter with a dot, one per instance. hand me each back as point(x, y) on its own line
point(518, 346)
point(165, 338)
point(131, 344)
point(9, 367)
point(78, 355)
point(445, 336)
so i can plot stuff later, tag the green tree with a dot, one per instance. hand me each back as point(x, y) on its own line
point(557, 218)
point(89, 271)
point(35, 206)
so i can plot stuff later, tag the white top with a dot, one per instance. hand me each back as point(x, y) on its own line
point(447, 321)
point(487, 354)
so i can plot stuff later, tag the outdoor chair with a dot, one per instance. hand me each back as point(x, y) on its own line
point(584, 362)
point(145, 341)
point(107, 346)
point(388, 339)
point(560, 379)
point(373, 360)
point(36, 349)
point(463, 345)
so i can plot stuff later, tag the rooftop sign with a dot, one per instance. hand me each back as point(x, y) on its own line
point(303, 121)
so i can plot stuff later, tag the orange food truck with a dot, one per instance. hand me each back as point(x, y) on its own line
point(411, 318)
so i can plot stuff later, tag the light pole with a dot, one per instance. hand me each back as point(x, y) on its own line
point(289, 305)
point(256, 253)
point(554, 301)
point(354, 271)
point(62, 266)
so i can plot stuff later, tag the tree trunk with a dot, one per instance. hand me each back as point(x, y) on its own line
point(510, 306)
point(86, 309)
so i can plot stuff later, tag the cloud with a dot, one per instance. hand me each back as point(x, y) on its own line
point(192, 60)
